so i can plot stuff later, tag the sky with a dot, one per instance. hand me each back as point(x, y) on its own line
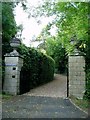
point(30, 25)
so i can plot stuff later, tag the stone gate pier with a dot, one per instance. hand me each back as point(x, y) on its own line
point(76, 64)
point(13, 64)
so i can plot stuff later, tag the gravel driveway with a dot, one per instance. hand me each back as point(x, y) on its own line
point(55, 88)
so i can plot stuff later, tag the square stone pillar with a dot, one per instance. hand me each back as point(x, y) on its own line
point(13, 66)
point(76, 76)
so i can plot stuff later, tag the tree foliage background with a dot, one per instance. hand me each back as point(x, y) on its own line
point(9, 28)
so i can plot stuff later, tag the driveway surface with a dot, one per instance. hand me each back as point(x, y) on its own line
point(47, 101)
point(55, 88)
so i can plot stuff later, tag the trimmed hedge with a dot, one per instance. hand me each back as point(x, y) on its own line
point(37, 69)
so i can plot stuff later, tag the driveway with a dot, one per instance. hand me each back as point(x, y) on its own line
point(55, 88)
point(47, 101)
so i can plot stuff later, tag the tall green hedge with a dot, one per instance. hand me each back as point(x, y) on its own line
point(37, 69)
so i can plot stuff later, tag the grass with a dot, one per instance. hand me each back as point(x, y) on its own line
point(81, 103)
point(6, 96)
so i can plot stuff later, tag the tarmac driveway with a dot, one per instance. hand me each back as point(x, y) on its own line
point(40, 107)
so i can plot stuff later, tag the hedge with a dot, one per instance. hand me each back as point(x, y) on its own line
point(87, 58)
point(37, 69)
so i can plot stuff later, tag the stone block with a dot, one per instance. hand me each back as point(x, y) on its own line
point(79, 96)
point(12, 60)
point(82, 82)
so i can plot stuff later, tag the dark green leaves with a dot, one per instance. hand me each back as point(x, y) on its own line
point(37, 68)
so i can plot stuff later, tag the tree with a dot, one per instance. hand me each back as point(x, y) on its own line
point(55, 49)
point(72, 20)
point(9, 28)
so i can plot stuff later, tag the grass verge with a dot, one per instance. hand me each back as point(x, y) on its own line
point(81, 103)
point(6, 96)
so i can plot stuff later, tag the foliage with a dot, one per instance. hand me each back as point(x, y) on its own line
point(82, 103)
point(73, 21)
point(8, 22)
point(55, 49)
point(87, 93)
point(6, 96)
point(9, 28)
point(3, 72)
point(37, 68)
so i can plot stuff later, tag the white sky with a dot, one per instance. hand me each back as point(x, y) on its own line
point(30, 25)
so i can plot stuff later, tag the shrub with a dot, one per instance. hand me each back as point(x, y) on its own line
point(46, 69)
point(3, 72)
point(55, 49)
point(37, 69)
point(88, 84)
point(87, 92)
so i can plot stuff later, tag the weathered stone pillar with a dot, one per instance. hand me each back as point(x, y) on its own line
point(13, 66)
point(76, 76)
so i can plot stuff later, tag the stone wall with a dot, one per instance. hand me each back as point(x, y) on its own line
point(76, 76)
point(12, 74)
